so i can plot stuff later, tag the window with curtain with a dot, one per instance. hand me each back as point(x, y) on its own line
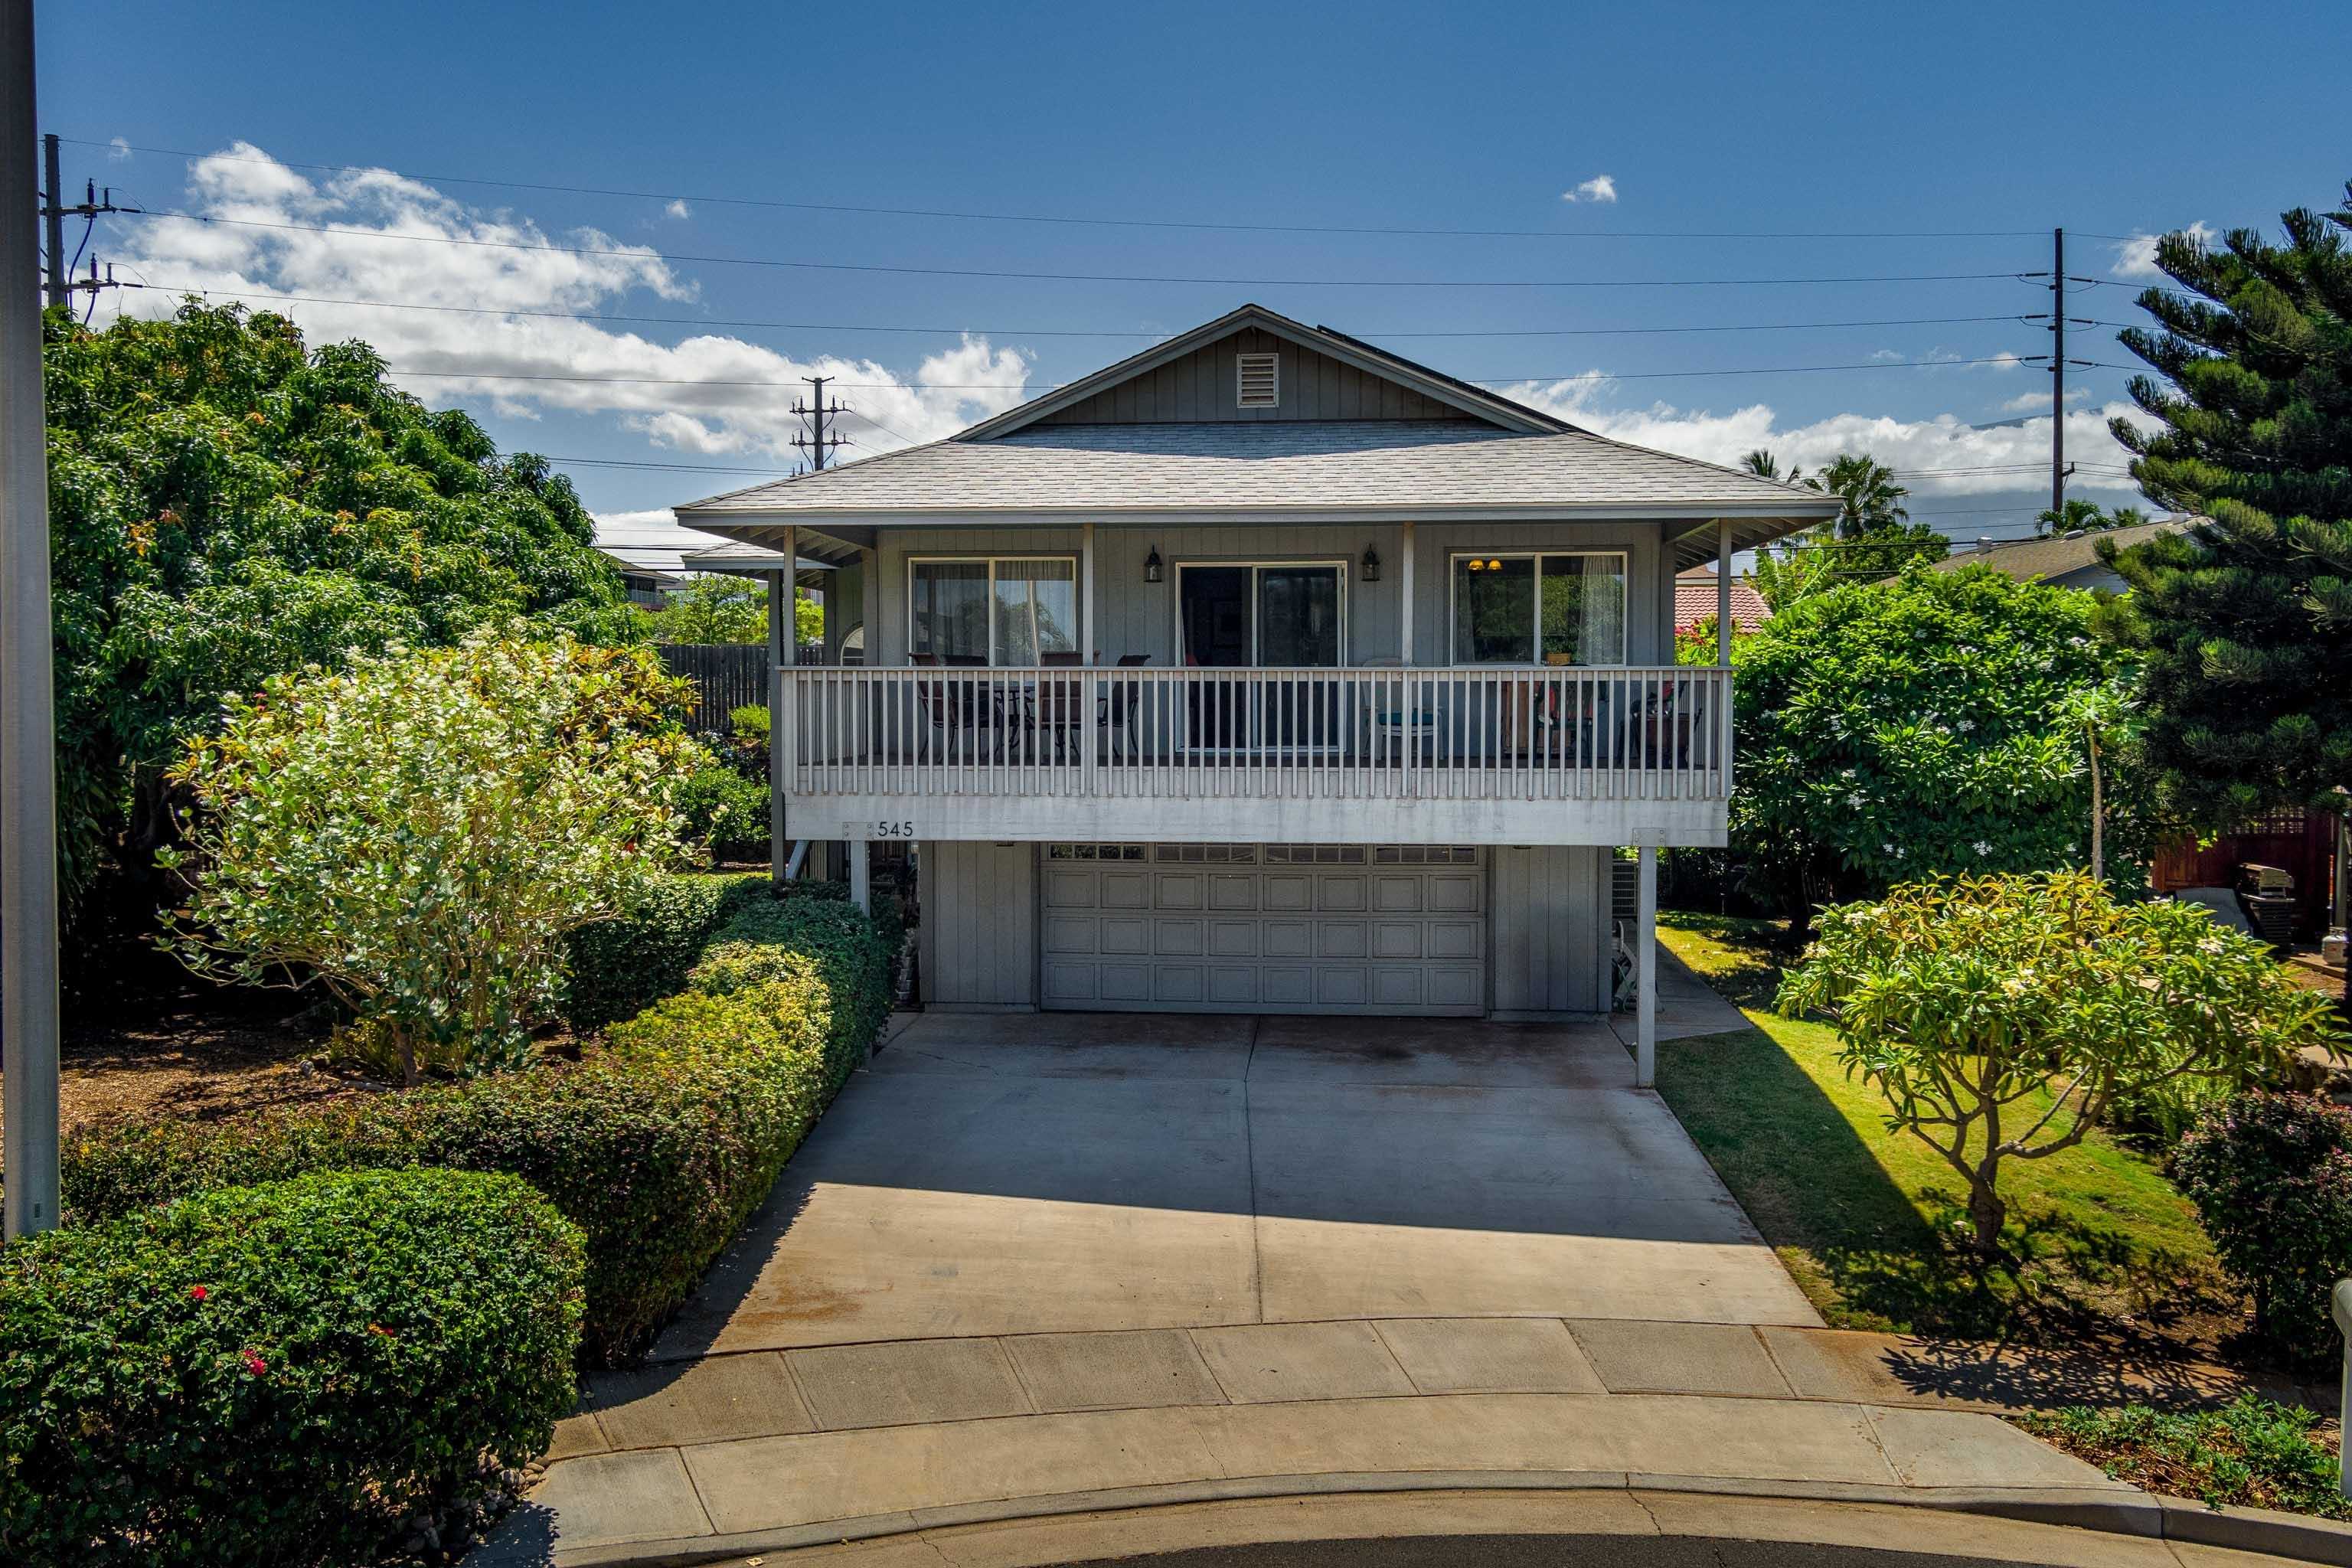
point(1010, 610)
point(1540, 609)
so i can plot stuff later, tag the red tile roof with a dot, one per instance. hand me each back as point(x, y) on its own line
point(1695, 601)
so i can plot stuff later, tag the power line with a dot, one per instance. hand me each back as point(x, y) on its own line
point(1050, 386)
point(1058, 331)
point(647, 254)
point(1086, 221)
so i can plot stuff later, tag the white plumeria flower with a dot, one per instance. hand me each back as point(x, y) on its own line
point(1981, 847)
point(1965, 725)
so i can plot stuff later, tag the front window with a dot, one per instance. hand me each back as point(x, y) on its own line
point(1538, 609)
point(1010, 610)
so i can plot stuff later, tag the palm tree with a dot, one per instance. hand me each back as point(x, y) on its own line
point(2084, 516)
point(1765, 465)
point(1871, 501)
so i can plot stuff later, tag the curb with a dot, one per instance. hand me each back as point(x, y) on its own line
point(2143, 1515)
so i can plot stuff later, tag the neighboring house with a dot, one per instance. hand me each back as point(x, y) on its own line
point(2068, 561)
point(646, 585)
point(1696, 593)
point(1263, 671)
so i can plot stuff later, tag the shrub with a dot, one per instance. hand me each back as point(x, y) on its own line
point(419, 835)
point(657, 1144)
point(278, 1375)
point(749, 723)
point(2271, 1174)
point(617, 968)
point(842, 950)
point(723, 809)
point(2251, 1452)
point(2002, 1016)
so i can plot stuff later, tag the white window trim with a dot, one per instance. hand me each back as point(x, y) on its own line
point(1176, 606)
point(991, 562)
point(1535, 627)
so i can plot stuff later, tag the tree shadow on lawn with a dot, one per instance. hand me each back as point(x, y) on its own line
point(1876, 1256)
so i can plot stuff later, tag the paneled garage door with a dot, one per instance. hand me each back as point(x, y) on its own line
point(1324, 928)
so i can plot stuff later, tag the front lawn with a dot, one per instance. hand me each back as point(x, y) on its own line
point(1871, 1223)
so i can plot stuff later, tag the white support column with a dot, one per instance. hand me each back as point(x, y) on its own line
point(1405, 596)
point(1645, 968)
point(861, 873)
point(782, 593)
point(1723, 593)
point(1086, 633)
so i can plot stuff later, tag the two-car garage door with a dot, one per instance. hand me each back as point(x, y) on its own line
point(1263, 928)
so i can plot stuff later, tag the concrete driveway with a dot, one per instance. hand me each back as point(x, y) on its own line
point(1003, 1176)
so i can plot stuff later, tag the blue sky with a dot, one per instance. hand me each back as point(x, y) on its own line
point(1934, 140)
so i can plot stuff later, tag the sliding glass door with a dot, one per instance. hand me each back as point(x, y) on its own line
point(1280, 616)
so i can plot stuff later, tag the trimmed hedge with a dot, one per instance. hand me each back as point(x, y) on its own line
point(659, 1145)
point(617, 969)
point(278, 1375)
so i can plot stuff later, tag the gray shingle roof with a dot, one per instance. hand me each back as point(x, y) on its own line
point(1414, 467)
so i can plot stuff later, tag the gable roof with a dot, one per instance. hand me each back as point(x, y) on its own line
point(1476, 401)
point(1495, 461)
point(2044, 560)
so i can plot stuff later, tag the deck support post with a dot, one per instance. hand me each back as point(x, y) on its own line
point(1404, 596)
point(861, 873)
point(784, 591)
point(1646, 967)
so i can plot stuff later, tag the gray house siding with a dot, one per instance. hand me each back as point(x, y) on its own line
point(1203, 386)
point(1134, 616)
point(978, 947)
point(1548, 945)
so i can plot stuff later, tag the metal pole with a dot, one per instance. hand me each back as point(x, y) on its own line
point(2058, 379)
point(781, 594)
point(1645, 968)
point(28, 818)
point(2339, 1307)
point(53, 222)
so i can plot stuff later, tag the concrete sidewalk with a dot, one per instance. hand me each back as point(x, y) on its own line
point(768, 1451)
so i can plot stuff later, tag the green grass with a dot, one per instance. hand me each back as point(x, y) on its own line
point(2251, 1454)
point(1872, 1222)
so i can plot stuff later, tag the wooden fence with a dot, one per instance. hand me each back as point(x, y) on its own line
point(727, 676)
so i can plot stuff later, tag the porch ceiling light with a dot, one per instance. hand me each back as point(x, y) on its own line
point(1152, 569)
point(1371, 564)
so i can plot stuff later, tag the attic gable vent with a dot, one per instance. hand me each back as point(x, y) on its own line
point(1260, 380)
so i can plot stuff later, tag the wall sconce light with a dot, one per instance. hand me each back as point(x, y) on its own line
point(1152, 570)
point(1371, 564)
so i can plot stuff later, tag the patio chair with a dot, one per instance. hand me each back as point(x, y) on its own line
point(1391, 718)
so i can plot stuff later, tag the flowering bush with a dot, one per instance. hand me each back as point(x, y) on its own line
point(1894, 731)
point(420, 834)
point(2271, 1174)
point(277, 1374)
point(2001, 1016)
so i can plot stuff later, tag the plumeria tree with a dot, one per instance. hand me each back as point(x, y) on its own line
point(418, 834)
point(2002, 1016)
point(1891, 730)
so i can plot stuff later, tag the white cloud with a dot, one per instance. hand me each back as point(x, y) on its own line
point(678, 208)
point(662, 390)
point(118, 149)
point(2039, 402)
point(2136, 257)
point(1599, 188)
point(1997, 457)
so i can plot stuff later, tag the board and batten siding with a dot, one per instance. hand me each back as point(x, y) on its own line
point(1135, 616)
point(1203, 387)
point(978, 943)
point(1548, 932)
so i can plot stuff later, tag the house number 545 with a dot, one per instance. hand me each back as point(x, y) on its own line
point(894, 829)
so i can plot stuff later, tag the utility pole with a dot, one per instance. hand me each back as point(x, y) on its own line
point(817, 442)
point(28, 825)
point(2058, 375)
point(58, 282)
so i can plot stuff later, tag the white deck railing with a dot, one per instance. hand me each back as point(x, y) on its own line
point(1141, 733)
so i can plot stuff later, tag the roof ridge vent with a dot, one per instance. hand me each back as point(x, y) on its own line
point(1258, 380)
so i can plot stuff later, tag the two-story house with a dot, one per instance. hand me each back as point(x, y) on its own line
point(1263, 671)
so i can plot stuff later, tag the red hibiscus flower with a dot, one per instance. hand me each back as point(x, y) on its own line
point(197, 1292)
point(253, 1364)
